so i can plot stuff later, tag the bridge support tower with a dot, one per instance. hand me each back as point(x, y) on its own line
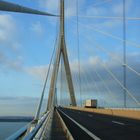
point(61, 51)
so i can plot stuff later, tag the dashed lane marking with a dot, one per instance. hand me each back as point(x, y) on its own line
point(120, 123)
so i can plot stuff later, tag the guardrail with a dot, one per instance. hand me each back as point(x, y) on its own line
point(18, 134)
point(45, 127)
point(24, 129)
point(64, 127)
point(32, 134)
point(127, 113)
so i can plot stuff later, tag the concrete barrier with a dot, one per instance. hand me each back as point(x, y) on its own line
point(127, 113)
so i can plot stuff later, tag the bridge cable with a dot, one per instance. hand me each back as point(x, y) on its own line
point(101, 3)
point(65, 85)
point(104, 83)
point(127, 91)
point(99, 47)
point(61, 84)
point(44, 87)
point(12, 7)
point(88, 80)
point(111, 35)
point(110, 17)
point(46, 79)
point(78, 41)
point(93, 79)
point(124, 53)
point(84, 82)
point(115, 78)
point(129, 67)
point(97, 4)
point(101, 78)
point(76, 84)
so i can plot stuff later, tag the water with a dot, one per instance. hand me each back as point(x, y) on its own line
point(8, 128)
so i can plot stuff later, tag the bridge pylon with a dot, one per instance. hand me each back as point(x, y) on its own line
point(61, 51)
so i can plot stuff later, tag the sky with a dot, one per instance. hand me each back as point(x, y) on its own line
point(27, 43)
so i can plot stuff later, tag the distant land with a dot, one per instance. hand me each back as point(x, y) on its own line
point(16, 118)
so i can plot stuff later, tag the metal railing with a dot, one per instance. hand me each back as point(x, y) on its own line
point(24, 129)
point(64, 127)
point(18, 134)
point(32, 134)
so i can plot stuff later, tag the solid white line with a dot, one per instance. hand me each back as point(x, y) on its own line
point(118, 122)
point(83, 128)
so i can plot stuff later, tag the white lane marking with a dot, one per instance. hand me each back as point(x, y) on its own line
point(82, 127)
point(118, 122)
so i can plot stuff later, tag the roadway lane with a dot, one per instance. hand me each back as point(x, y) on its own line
point(106, 127)
point(77, 133)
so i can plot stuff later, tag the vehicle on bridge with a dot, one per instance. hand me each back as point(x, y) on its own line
point(91, 103)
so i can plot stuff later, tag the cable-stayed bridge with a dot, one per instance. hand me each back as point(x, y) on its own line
point(65, 116)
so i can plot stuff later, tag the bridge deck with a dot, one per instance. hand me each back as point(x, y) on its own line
point(103, 126)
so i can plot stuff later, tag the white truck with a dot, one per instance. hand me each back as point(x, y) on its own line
point(91, 103)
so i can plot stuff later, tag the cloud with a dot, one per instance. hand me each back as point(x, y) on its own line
point(9, 44)
point(50, 5)
point(95, 80)
point(37, 28)
point(104, 86)
point(7, 64)
point(91, 69)
point(118, 8)
point(114, 9)
point(53, 6)
point(95, 11)
point(7, 28)
point(37, 71)
point(92, 64)
point(71, 7)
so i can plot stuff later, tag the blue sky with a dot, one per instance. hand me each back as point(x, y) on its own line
point(27, 42)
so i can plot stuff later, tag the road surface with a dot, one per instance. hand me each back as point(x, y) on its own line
point(105, 127)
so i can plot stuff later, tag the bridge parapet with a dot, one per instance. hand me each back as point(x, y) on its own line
point(127, 113)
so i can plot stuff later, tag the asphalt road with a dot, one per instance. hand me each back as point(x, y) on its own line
point(103, 126)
